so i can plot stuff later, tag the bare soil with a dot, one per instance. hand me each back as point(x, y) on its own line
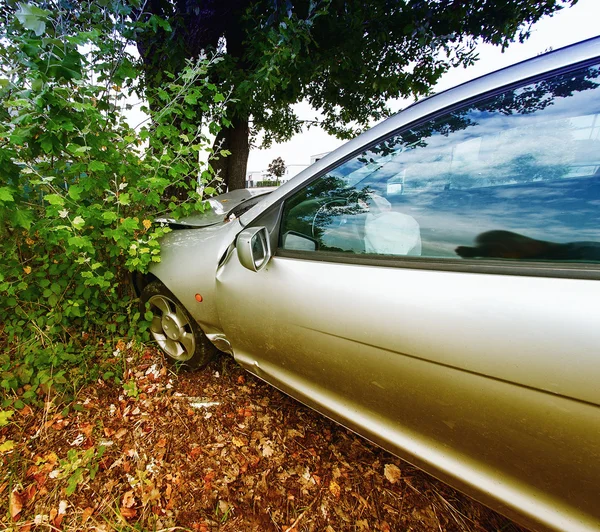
point(207, 451)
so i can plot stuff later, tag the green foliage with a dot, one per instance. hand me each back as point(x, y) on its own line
point(77, 463)
point(348, 59)
point(79, 187)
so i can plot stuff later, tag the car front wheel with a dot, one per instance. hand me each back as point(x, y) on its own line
point(176, 332)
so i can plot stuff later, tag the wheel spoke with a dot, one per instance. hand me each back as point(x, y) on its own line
point(156, 325)
point(161, 303)
point(182, 319)
point(188, 342)
point(172, 348)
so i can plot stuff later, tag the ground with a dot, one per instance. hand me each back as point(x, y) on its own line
point(206, 451)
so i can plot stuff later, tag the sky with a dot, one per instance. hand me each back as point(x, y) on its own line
point(568, 26)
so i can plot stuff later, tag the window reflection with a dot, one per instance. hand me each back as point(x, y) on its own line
point(523, 166)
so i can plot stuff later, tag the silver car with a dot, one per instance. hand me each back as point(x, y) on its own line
point(432, 285)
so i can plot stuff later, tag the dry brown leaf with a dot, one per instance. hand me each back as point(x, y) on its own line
point(120, 433)
point(195, 453)
point(25, 528)
point(152, 495)
point(51, 458)
point(87, 513)
point(392, 473)
point(237, 442)
point(15, 504)
point(86, 428)
point(128, 500)
point(335, 489)
point(58, 520)
point(267, 450)
point(128, 513)
point(29, 493)
point(26, 410)
point(162, 443)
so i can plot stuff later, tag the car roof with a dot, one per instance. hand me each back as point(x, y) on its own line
point(555, 60)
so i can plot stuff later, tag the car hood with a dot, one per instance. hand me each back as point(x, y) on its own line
point(221, 208)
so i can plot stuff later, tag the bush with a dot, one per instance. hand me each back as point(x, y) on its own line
point(79, 187)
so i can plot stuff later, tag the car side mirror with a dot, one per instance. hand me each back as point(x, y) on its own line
point(253, 248)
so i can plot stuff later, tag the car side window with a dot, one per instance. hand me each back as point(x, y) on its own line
point(515, 176)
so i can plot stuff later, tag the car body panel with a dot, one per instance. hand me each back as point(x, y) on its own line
point(189, 263)
point(440, 399)
point(220, 207)
point(487, 378)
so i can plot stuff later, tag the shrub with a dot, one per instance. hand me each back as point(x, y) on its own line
point(79, 187)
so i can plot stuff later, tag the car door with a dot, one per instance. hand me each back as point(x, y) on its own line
point(437, 292)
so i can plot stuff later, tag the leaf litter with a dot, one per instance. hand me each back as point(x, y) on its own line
point(207, 451)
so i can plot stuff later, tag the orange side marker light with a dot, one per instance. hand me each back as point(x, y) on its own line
point(199, 298)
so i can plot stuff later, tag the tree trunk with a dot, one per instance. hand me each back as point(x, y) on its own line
point(232, 169)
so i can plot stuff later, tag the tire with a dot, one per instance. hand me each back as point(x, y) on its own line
point(174, 330)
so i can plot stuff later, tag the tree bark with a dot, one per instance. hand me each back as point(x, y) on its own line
point(232, 169)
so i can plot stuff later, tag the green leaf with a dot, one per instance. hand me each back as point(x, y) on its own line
point(109, 216)
point(5, 415)
point(8, 445)
point(6, 194)
point(124, 199)
point(74, 480)
point(22, 218)
point(75, 192)
point(33, 18)
point(78, 222)
point(191, 99)
point(95, 166)
point(55, 199)
point(218, 97)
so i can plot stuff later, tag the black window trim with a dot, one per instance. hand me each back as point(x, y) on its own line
point(485, 266)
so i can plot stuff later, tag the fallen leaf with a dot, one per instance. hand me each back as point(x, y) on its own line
point(195, 453)
point(267, 450)
point(15, 504)
point(128, 500)
point(87, 513)
point(152, 495)
point(128, 513)
point(87, 429)
point(392, 473)
point(120, 433)
point(335, 489)
point(237, 442)
point(29, 493)
point(6, 446)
